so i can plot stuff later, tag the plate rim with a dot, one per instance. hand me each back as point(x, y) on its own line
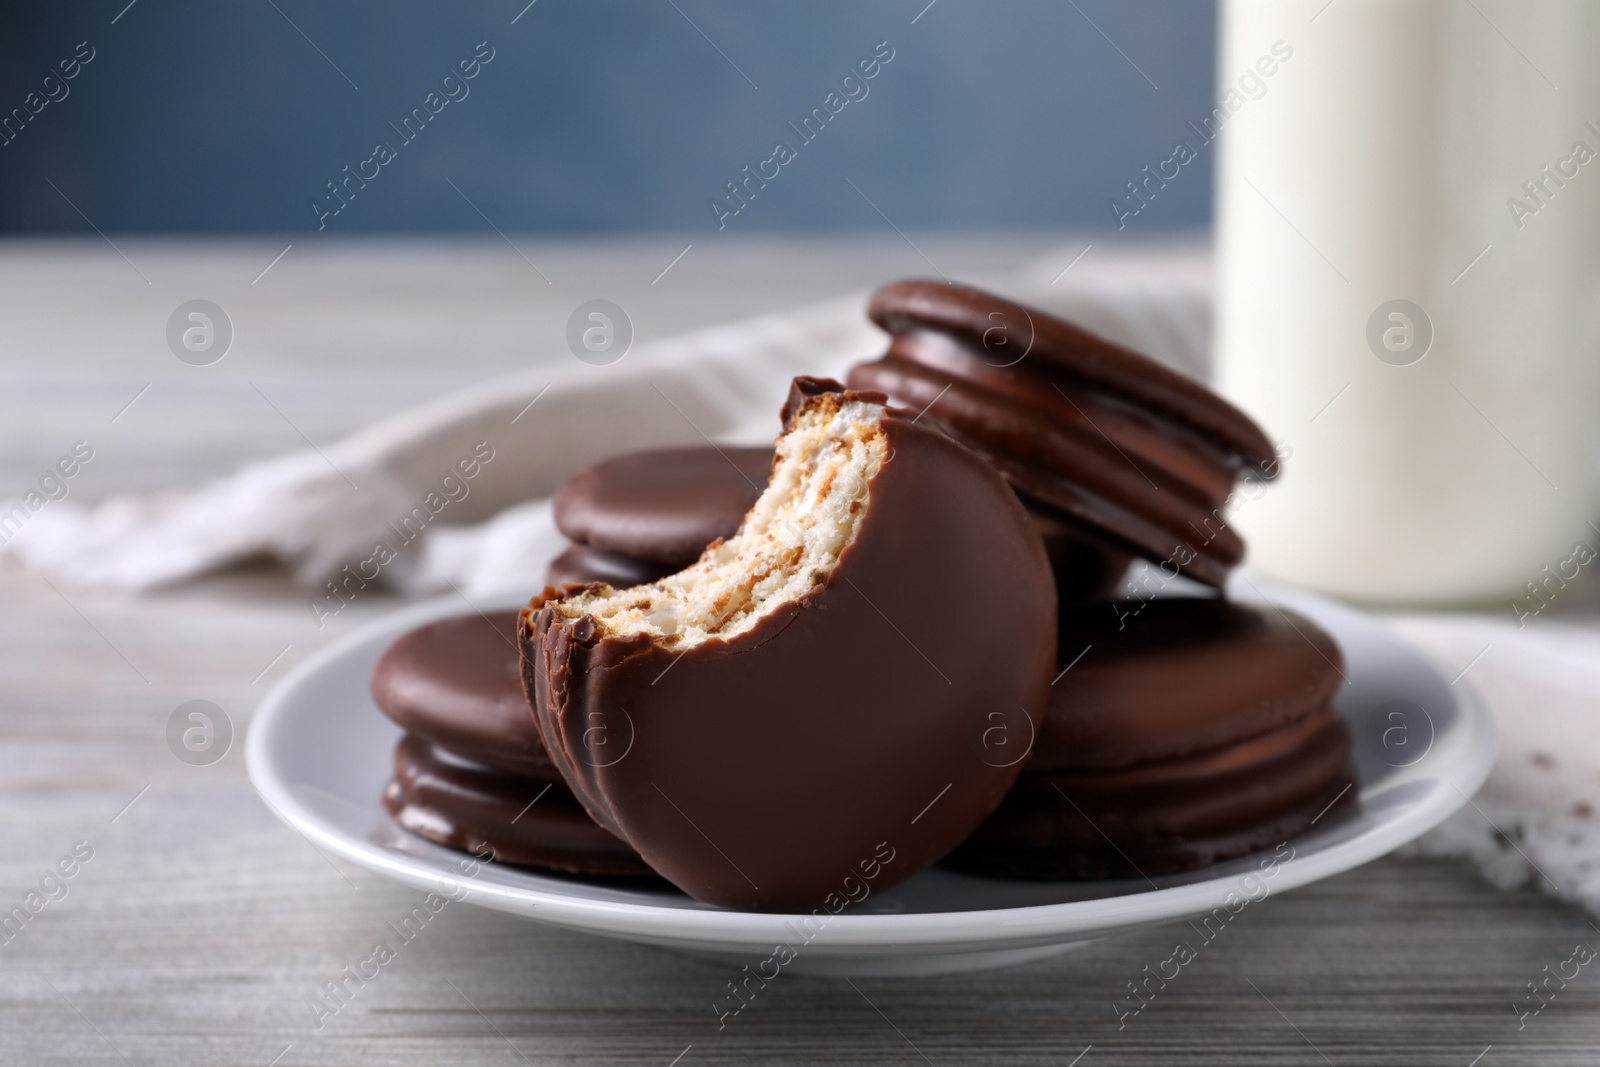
point(970, 929)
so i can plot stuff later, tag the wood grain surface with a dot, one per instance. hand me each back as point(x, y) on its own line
point(202, 927)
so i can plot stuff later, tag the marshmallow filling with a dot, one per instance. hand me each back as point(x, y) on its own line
point(788, 544)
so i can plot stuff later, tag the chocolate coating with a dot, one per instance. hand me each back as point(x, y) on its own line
point(1078, 473)
point(662, 506)
point(580, 565)
point(999, 332)
point(466, 805)
point(456, 682)
point(767, 771)
point(1170, 677)
point(1087, 568)
point(472, 759)
point(1152, 437)
point(1094, 431)
point(1202, 730)
point(1167, 817)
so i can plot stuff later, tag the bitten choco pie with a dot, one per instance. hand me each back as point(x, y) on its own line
point(820, 683)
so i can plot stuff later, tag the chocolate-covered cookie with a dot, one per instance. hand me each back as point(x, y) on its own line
point(1173, 676)
point(582, 565)
point(1097, 432)
point(456, 682)
point(472, 760)
point(1087, 568)
point(466, 805)
point(1176, 815)
point(662, 506)
point(823, 689)
point(1183, 732)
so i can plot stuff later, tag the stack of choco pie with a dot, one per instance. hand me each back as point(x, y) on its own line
point(1180, 731)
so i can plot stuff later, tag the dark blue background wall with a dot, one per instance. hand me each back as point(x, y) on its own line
point(597, 115)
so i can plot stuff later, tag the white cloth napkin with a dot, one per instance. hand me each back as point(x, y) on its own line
point(1538, 816)
point(322, 510)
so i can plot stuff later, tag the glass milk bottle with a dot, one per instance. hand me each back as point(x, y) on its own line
point(1408, 234)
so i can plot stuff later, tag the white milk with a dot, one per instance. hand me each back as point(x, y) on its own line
point(1380, 160)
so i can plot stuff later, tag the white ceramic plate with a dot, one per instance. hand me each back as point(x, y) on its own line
point(320, 752)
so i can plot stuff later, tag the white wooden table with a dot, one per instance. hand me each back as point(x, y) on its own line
point(201, 926)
